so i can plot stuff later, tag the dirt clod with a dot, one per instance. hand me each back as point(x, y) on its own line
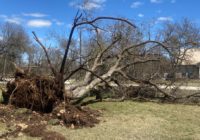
point(22, 123)
point(77, 116)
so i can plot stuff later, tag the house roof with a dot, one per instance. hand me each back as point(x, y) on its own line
point(192, 57)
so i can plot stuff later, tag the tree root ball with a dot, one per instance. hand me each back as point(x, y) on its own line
point(45, 95)
point(35, 93)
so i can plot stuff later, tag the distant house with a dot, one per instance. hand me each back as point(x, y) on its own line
point(190, 67)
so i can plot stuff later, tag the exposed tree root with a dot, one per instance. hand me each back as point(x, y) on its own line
point(43, 94)
point(35, 93)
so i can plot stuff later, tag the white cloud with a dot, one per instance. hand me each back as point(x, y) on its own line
point(1, 38)
point(140, 15)
point(88, 5)
point(37, 15)
point(39, 23)
point(91, 5)
point(59, 23)
point(136, 4)
point(156, 1)
point(12, 19)
point(15, 20)
point(165, 19)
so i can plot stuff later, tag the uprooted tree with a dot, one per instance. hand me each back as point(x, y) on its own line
point(110, 63)
point(42, 93)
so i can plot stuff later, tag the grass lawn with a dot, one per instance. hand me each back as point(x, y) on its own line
point(145, 121)
point(136, 120)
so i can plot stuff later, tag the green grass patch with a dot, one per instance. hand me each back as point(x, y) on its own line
point(1, 96)
point(134, 120)
point(2, 87)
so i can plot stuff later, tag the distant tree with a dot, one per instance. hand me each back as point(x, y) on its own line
point(13, 44)
point(15, 40)
point(180, 37)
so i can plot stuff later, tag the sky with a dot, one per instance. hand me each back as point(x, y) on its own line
point(42, 16)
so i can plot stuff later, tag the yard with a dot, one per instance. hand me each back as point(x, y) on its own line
point(136, 120)
point(97, 70)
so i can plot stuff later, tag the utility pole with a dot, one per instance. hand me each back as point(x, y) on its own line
point(80, 45)
point(80, 49)
point(4, 66)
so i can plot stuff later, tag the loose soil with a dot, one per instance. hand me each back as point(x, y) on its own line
point(22, 121)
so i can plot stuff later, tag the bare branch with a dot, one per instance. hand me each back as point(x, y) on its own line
point(138, 62)
point(46, 53)
point(106, 18)
point(73, 72)
point(147, 82)
point(197, 94)
point(147, 42)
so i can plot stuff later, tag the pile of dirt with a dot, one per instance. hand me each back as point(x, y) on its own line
point(76, 116)
point(40, 131)
point(22, 121)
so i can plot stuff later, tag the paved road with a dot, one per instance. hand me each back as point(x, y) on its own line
point(161, 86)
point(170, 87)
point(3, 83)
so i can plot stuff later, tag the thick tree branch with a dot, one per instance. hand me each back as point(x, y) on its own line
point(97, 61)
point(99, 77)
point(67, 49)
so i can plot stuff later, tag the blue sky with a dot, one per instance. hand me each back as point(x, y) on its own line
point(45, 15)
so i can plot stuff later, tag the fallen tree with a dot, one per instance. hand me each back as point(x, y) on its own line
point(44, 93)
point(110, 64)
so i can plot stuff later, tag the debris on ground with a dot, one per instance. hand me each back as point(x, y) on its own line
point(76, 116)
point(22, 121)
